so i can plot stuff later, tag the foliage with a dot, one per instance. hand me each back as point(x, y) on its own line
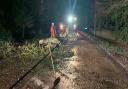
point(115, 17)
point(124, 35)
point(27, 51)
point(30, 50)
point(6, 50)
point(119, 17)
point(24, 12)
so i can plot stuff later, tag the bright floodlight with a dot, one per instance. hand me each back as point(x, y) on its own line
point(74, 26)
point(75, 18)
point(86, 28)
point(61, 26)
point(70, 18)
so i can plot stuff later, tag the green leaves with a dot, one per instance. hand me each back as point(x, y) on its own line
point(6, 49)
point(124, 35)
point(120, 17)
point(28, 51)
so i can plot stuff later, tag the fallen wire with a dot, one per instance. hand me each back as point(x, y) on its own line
point(50, 52)
point(57, 79)
point(29, 71)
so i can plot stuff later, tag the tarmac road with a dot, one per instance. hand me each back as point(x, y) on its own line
point(92, 69)
point(89, 68)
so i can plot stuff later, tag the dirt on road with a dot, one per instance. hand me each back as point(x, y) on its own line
point(89, 68)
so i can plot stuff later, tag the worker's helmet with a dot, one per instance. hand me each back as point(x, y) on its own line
point(53, 24)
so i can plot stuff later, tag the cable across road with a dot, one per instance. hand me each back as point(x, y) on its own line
point(30, 70)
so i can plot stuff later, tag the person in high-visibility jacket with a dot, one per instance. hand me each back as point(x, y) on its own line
point(52, 31)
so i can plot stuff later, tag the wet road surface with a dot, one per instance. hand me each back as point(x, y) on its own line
point(89, 68)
